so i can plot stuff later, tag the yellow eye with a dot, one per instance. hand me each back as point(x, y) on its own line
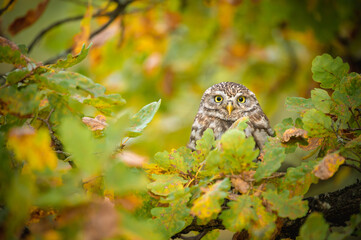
point(241, 99)
point(218, 99)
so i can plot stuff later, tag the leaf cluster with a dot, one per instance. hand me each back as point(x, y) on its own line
point(229, 180)
point(56, 173)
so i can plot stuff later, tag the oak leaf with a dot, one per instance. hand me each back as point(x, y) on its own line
point(328, 166)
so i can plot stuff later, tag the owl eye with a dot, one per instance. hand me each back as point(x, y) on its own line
point(241, 99)
point(218, 99)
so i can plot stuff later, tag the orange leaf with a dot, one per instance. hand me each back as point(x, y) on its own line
point(328, 166)
point(240, 185)
point(30, 17)
point(313, 143)
point(293, 133)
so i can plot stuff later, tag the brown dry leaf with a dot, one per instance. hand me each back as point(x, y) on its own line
point(83, 36)
point(30, 17)
point(293, 133)
point(240, 185)
point(248, 175)
point(313, 143)
point(95, 124)
point(328, 166)
point(132, 159)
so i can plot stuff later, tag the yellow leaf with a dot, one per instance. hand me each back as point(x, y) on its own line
point(33, 147)
point(328, 166)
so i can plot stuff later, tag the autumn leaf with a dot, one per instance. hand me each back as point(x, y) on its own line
point(293, 133)
point(210, 202)
point(95, 124)
point(10, 53)
point(328, 166)
point(240, 185)
point(33, 147)
point(30, 17)
point(240, 214)
point(172, 218)
point(166, 184)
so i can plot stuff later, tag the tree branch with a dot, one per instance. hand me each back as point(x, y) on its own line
point(6, 7)
point(337, 208)
point(113, 15)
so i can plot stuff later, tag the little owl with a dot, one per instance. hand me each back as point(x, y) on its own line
point(222, 105)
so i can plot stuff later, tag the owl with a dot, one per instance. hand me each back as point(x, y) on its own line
point(224, 103)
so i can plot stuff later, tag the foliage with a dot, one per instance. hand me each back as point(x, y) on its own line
point(42, 133)
point(258, 196)
point(66, 171)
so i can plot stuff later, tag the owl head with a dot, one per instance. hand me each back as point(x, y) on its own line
point(228, 101)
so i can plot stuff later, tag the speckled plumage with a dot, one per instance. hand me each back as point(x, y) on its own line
point(215, 115)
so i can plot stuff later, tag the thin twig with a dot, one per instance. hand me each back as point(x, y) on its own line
point(58, 23)
point(6, 7)
point(113, 15)
point(62, 152)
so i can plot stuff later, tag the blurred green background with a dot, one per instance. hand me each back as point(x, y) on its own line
point(174, 50)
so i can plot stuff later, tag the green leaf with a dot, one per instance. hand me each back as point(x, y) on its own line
point(348, 95)
point(299, 179)
point(206, 143)
point(236, 154)
point(265, 225)
point(298, 104)
point(72, 60)
point(141, 119)
point(286, 207)
point(122, 179)
point(16, 76)
point(11, 55)
point(321, 100)
point(240, 214)
point(178, 160)
point(315, 227)
point(78, 141)
point(173, 217)
point(317, 124)
point(71, 82)
point(272, 159)
point(210, 202)
point(248, 212)
point(166, 184)
point(24, 101)
point(329, 71)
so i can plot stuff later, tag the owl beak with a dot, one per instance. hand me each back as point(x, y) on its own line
point(229, 108)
